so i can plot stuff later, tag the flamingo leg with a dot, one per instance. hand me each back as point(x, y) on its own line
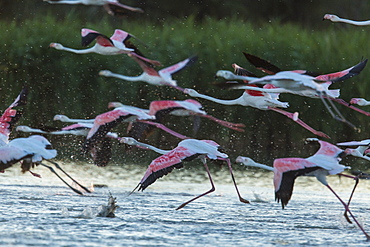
point(232, 176)
point(350, 197)
point(339, 115)
point(53, 171)
point(209, 191)
point(60, 168)
point(168, 130)
point(349, 211)
point(229, 125)
point(300, 122)
point(154, 62)
point(342, 102)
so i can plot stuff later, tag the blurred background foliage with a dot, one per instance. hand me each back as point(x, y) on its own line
point(290, 34)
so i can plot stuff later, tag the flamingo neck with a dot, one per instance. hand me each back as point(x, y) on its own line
point(238, 101)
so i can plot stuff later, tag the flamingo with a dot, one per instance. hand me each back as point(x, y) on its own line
point(150, 75)
point(359, 101)
point(323, 163)
point(335, 18)
point(259, 100)
point(32, 151)
point(186, 150)
point(162, 108)
point(360, 151)
point(113, 7)
point(108, 120)
point(117, 44)
point(291, 82)
point(271, 69)
point(11, 116)
point(100, 153)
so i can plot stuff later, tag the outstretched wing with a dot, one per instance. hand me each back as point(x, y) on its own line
point(102, 125)
point(167, 73)
point(344, 74)
point(89, 36)
point(165, 164)
point(262, 64)
point(11, 116)
point(286, 170)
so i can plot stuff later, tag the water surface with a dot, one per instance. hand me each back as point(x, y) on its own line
point(44, 212)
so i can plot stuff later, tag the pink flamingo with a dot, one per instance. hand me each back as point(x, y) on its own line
point(117, 44)
point(260, 100)
point(323, 163)
point(335, 18)
point(108, 120)
point(160, 109)
point(150, 75)
point(32, 151)
point(113, 7)
point(271, 69)
point(292, 82)
point(186, 150)
point(100, 153)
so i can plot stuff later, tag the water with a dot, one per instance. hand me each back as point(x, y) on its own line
point(44, 212)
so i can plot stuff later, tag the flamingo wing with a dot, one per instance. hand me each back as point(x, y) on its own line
point(89, 36)
point(344, 74)
point(10, 155)
point(167, 73)
point(262, 64)
point(164, 164)
point(10, 116)
point(103, 124)
point(101, 152)
point(286, 170)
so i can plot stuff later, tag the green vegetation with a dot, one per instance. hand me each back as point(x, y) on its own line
point(67, 83)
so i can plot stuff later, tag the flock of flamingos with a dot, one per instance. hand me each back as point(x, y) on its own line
point(262, 93)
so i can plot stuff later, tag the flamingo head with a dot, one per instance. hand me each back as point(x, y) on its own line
point(244, 160)
point(61, 118)
point(23, 128)
point(105, 73)
point(56, 46)
point(128, 140)
point(228, 75)
point(332, 18)
point(358, 101)
point(114, 104)
point(191, 92)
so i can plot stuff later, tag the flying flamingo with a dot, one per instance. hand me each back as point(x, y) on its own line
point(108, 120)
point(117, 44)
point(329, 79)
point(259, 100)
point(360, 151)
point(323, 163)
point(186, 150)
point(335, 18)
point(32, 151)
point(291, 82)
point(161, 108)
point(11, 116)
point(113, 7)
point(100, 153)
point(150, 75)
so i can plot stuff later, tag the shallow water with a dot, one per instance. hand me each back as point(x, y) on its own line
point(44, 212)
